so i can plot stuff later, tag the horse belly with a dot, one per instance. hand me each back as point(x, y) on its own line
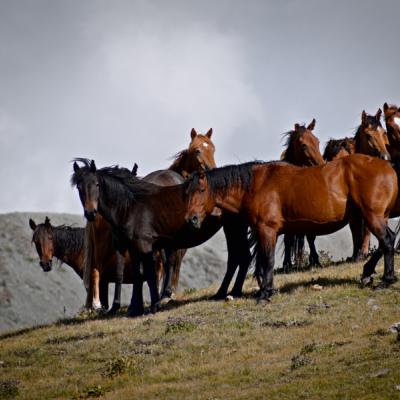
point(313, 228)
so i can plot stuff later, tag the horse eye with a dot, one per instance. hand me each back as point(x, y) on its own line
point(198, 151)
point(97, 184)
point(202, 190)
point(304, 146)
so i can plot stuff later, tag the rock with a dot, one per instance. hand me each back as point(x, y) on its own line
point(229, 298)
point(316, 287)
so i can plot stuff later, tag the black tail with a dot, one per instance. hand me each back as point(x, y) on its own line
point(294, 244)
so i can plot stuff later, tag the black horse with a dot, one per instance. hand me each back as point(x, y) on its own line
point(146, 218)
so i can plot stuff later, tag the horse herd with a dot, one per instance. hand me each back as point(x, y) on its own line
point(138, 229)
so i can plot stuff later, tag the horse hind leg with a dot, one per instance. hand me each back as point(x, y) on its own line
point(386, 238)
point(288, 240)
point(265, 259)
point(314, 258)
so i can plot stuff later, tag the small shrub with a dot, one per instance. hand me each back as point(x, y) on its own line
point(94, 391)
point(9, 389)
point(117, 367)
point(299, 361)
point(176, 325)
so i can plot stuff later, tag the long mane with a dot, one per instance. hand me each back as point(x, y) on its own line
point(179, 159)
point(333, 147)
point(222, 179)
point(68, 239)
point(116, 182)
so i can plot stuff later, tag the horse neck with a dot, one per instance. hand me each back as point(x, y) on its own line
point(393, 131)
point(70, 256)
point(230, 199)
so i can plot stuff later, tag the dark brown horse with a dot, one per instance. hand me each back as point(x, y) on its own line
point(66, 243)
point(302, 149)
point(99, 248)
point(277, 198)
point(338, 148)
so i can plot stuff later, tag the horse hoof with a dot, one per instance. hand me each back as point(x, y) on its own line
point(236, 294)
point(366, 281)
point(133, 313)
point(165, 300)
point(218, 296)
point(113, 310)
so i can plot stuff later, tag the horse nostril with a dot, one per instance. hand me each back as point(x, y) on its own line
point(194, 220)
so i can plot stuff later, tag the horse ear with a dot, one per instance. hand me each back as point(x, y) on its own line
point(32, 224)
point(378, 114)
point(134, 169)
point(312, 125)
point(363, 116)
point(47, 222)
point(209, 133)
point(193, 133)
point(385, 107)
point(92, 166)
point(296, 126)
point(76, 167)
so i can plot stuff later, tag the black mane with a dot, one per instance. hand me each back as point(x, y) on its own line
point(178, 158)
point(333, 147)
point(116, 182)
point(223, 178)
point(68, 239)
point(290, 137)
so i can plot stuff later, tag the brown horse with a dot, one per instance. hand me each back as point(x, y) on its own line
point(338, 148)
point(302, 149)
point(277, 198)
point(99, 246)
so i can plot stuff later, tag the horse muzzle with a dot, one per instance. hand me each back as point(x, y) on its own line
point(90, 215)
point(194, 220)
point(46, 266)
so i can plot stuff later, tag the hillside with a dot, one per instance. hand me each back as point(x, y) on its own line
point(321, 337)
point(29, 296)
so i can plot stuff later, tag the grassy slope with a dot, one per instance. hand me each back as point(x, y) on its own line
point(332, 343)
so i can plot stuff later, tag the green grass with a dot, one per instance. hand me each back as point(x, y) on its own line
point(332, 343)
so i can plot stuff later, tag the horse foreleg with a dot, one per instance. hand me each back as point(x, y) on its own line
point(149, 268)
point(314, 258)
point(119, 277)
point(169, 264)
point(177, 269)
point(95, 278)
point(243, 258)
point(265, 260)
point(103, 293)
point(136, 307)
point(288, 240)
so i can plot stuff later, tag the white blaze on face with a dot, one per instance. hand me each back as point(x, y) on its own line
point(397, 121)
point(205, 144)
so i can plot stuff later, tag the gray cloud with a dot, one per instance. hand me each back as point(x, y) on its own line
point(124, 82)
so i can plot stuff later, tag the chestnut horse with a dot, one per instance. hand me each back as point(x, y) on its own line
point(277, 198)
point(302, 149)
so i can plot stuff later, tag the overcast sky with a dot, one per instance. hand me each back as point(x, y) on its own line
point(125, 81)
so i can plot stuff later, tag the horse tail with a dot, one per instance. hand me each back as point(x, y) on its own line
point(89, 254)
point(397, 231)
point(257, 258)
point(296, 247)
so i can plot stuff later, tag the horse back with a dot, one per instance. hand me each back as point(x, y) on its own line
point(164, 177)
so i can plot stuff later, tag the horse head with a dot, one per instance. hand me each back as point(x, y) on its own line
point(43, 240)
